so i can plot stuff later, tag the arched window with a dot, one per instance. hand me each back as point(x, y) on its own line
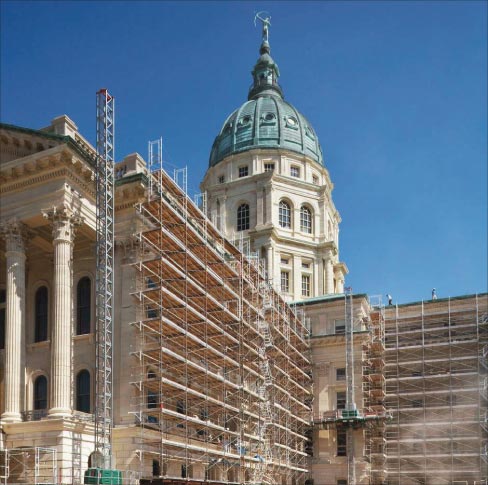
point(243, 217)
point(41, 313)
point(40, 393)
point(83, 391)
point(83, 306)
point(306, 220)
point(284, 218)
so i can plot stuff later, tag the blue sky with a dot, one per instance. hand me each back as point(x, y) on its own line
point(396, 92)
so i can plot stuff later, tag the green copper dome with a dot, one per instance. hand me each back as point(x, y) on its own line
point(266, 120)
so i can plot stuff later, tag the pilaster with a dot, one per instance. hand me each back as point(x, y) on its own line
point(328, 273)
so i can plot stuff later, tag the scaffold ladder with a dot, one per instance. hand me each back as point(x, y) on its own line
point(155, 160)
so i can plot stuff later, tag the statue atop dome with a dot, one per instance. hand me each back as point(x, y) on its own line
point(266, 24)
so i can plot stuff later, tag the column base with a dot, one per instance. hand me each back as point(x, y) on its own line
point(59, 413)
point(11, 417)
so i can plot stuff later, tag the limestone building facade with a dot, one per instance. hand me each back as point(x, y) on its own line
point(212, 376)
point(221, 319)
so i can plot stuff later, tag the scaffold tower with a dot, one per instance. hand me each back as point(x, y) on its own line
point(104, 277)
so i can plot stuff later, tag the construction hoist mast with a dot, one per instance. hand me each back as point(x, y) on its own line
point(104, 278)
point(350, 400)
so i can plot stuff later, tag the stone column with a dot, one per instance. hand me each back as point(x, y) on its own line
point(61, 335)
point(329, 273)
point(260, 204)
point(296, 278)
point(223, 215)
point(316, 290)
point(339, 275)
point(269, 261)
point(14, 234)
point(268, 219)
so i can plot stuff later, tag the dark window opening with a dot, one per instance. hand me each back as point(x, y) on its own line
point(40, 393)
point(243, 171)
point(341, 399)
point(341, 374)
point(41, 315)
point(341, 442)
point(243, 217)
point(83, 391)
point(83, 306)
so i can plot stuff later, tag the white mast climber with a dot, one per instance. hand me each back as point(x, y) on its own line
point(104, 278)
point(350, 400)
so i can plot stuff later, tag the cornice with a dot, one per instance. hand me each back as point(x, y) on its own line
point(46, 425)
point(31, 171)
point(78, 145)
point(129, 194)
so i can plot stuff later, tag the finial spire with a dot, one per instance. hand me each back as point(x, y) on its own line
point(265, 72)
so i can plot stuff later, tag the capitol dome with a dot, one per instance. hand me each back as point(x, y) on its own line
point(266, 120)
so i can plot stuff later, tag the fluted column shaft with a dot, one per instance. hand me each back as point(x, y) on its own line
point(61, 335)
point(14, 352)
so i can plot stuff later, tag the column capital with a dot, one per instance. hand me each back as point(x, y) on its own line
point(16, 234)
point(329, 254)
point(65, 221)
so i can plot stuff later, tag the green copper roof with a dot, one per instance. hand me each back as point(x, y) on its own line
point(266, 120)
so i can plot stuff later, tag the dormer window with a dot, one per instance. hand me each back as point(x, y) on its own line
point(269, 167)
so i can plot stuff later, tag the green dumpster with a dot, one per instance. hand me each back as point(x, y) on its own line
point(99, 476)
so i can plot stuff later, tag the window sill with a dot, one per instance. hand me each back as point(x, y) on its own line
point(39, 345)
point(86, 337)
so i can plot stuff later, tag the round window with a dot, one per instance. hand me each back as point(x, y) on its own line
point(291, 121)
point(269, 117)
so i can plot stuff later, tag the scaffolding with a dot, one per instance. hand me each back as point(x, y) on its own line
point(223, 374)
point(436, 387)
point(374, 392)
point(30, 465)
point(372, 416)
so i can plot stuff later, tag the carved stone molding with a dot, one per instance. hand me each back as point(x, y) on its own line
point(129, 245)
point(16, 235)
point(65, 221)
point(321, 369)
